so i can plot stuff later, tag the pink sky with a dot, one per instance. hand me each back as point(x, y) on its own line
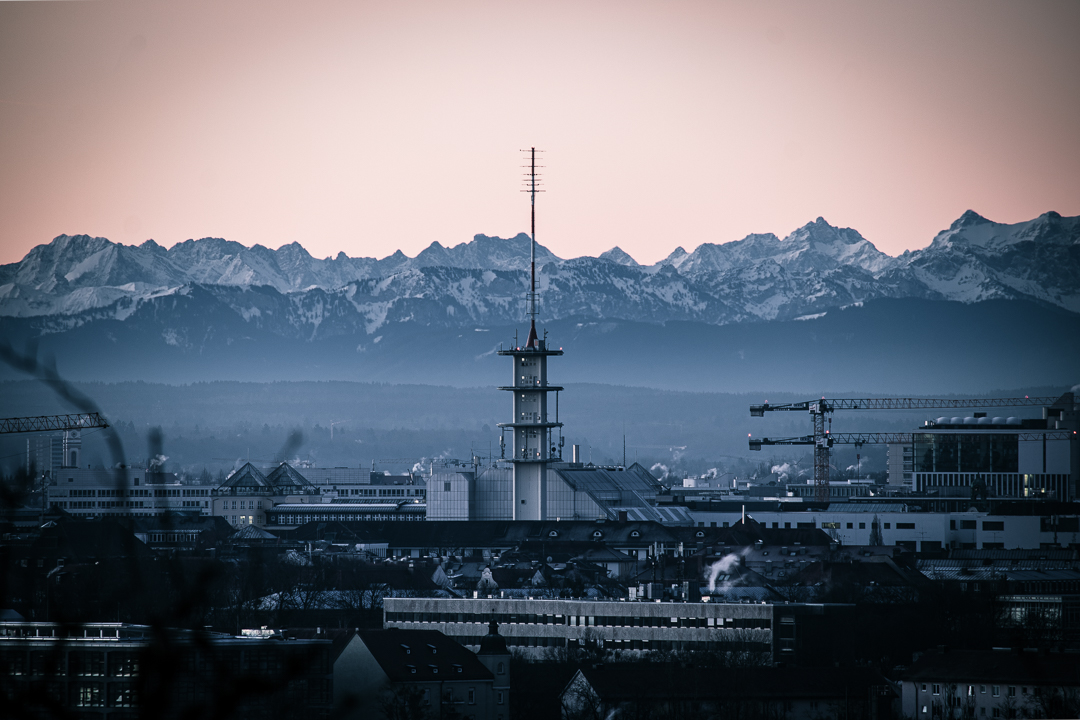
point(366, 127)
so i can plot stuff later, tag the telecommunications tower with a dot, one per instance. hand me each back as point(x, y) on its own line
point(532, 433)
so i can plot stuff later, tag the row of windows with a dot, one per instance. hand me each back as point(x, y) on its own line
point(174, 537)
point(1011, 485)
point(341, 517)
point(137, 492)
point(583, 620)
point(971, 691)
point(1066, 525)
point(384, 492)
point(244, 505)
point(40, 663)
point(106, 504)
point(988, 525)
point(120, 695)
point(664, 645)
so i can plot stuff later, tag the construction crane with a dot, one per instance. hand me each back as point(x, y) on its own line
point(819, 409)
point(860, 439)
point(52, 423)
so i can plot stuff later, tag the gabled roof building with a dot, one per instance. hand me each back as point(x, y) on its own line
point(419, 673)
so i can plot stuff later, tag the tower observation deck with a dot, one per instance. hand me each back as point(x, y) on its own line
point(531, 442)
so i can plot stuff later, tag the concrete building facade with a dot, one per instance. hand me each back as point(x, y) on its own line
point(116, 670)
point(139, 492)
point(897, 524)
point(766, 630)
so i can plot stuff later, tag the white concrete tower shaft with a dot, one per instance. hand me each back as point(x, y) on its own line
point(531, 427)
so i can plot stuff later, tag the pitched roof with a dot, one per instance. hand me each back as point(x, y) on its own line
point(179, 522)
point(997, 665)
point(250, 532)
point(422, 655)
point(485, 533)
point(614, 487)
point(285, 477)
point(86, 540)
point(629, 682)
point(248, 476)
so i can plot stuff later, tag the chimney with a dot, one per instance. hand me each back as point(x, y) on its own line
point(575, 453)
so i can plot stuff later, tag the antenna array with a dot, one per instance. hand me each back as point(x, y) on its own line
point(532, 186)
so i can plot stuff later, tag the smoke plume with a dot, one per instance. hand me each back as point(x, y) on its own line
point(723, 566)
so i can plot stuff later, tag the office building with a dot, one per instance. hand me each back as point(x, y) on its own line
point(115, 670)
point(770, 632)
point(137, 492)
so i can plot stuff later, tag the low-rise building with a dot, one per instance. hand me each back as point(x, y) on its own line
point(991, 684)
point(663, 690)
point(116, 670)
point(128, 492)
point(410, 673)
point(1006, 525)
point(286, 498)
point(768, 632)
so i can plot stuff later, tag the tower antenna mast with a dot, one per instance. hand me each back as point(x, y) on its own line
point(531, 186)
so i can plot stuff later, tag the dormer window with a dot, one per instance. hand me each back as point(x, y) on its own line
point(432, 649)
point(635, 534)
point(411, 669)
point(553, 533)
point(406, 649)
point(699, 533)
point(434, 669)
point(457, 668)
point(597, 534)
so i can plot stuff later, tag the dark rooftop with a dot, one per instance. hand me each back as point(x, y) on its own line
point(419, 655)
point(997, 665)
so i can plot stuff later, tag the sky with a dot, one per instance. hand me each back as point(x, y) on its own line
point(368, 127)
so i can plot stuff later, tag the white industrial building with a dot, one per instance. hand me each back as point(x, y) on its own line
point(286, 497)
point(572, 491)
point(104, 493)
point(896, 524)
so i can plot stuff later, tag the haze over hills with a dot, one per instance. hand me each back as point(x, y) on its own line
point(1000, 301)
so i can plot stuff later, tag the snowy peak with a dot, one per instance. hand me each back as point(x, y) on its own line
point(815, 247)
point(977, 259)
point(826, 245)
point(977, 234)
point(970, 218)
point(677, 257)
point(619, 256)
point(486, 253)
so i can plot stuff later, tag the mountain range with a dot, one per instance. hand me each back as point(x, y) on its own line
point(760, 277)
point(207, 307)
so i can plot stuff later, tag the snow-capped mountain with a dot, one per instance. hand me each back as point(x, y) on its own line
point(76, 280)
point(976, 259)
